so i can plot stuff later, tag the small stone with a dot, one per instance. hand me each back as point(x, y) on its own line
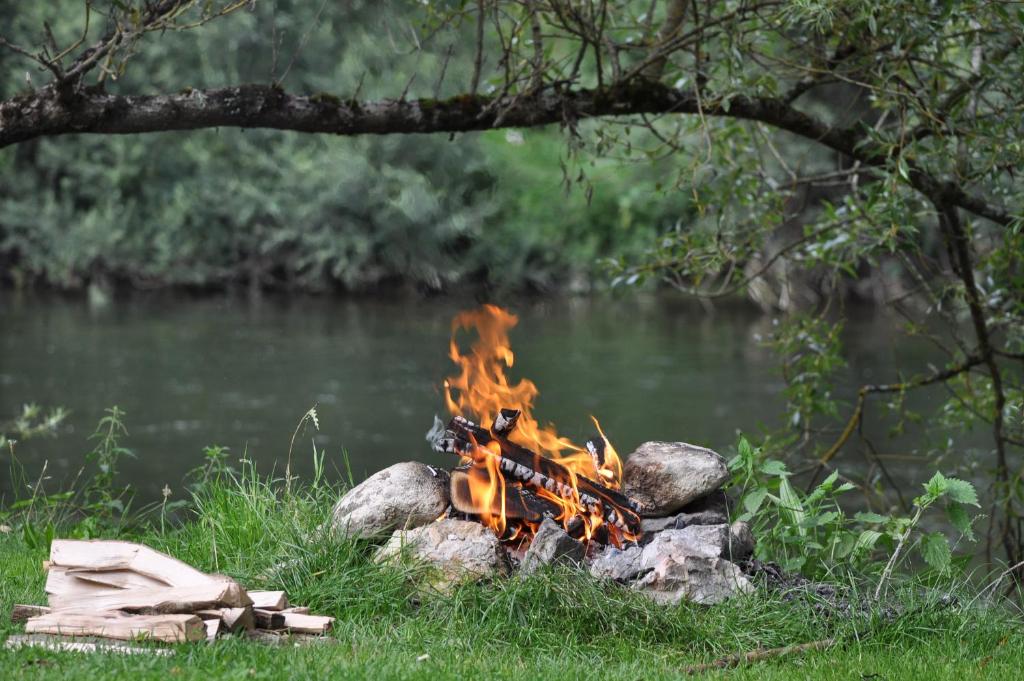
point(552, 545)
point(620, 565)
point(403, 496)
point(459, 549)
point(743, 541)
point(665, 476)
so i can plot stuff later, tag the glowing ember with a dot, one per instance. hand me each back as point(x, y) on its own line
point(581, 481)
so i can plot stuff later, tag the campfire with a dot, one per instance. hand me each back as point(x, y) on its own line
point(515, 473)
point(523, 498)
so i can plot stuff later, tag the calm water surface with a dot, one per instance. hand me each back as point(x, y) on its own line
point(239, 374)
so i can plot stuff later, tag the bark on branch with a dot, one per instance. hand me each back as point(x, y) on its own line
point(44, 113)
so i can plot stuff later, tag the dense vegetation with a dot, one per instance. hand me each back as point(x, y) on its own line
point(260, 209)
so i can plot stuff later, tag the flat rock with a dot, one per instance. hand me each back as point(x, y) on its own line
point(701, 579)
point(681, 520)
point(711, 541)
point(665, 476)
point(458, 549)
point(404, 496)
point(552, 545)
point(620, 565)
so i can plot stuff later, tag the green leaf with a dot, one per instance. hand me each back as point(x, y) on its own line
point(959, 518)
point(935, 550)
point(937, 486)
point(774, 467)
point(866, 517)
point(961, 492)
point(753, 501)
point(791, 506)
point(867, 540)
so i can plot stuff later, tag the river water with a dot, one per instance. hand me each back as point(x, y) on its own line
point(238, 373)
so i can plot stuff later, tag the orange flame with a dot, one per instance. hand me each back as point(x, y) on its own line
point(482, 388)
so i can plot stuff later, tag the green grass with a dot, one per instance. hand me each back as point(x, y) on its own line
point(559, 624)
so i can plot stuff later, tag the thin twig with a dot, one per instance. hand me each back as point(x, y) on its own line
point(737, 659)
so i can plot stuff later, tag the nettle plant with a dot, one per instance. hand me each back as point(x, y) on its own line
point(811, 533)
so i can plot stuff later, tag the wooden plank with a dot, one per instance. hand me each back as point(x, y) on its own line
point(186, 599)
point(20, 613)
point(165, 628)
point(268, 619)
point(269, 600)
point(102, 555)
point(298, 610)
point(76, 645)
point(307, 624)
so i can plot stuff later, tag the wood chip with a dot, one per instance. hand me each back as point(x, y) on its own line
point(268, 619)
point(166, 628)
point(232, 619)
point(212, 629)
point(269, 600)
point(307, 624)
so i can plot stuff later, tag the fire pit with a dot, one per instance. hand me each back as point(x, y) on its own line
point(522, 496)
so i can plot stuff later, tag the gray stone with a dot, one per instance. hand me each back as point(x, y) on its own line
point(621, 565)
point(402, 496)
point(691, 563)
point(665, 476)
point(681, 520)
point(458, 550)
point(701, 579)
point(712, 541)
point(552, 545)
point(743, 541)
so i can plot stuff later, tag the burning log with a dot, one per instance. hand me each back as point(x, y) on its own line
point(519, 503)
point(517, 463)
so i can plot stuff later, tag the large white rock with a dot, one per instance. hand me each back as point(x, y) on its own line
point(665, 476)
point(402, 496)
point(458, 549)
point(734, 542)
point(692, 564)
point(701, 579)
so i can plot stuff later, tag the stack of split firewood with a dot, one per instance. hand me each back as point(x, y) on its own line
point(120, 590)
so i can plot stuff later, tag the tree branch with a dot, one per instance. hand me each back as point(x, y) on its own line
point(43, 114)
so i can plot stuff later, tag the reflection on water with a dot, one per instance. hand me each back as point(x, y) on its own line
point(223, 371)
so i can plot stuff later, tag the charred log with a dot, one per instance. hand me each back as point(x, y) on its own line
point(505, 422)
point(519, 464)
point(519, 503)
point(596, 447)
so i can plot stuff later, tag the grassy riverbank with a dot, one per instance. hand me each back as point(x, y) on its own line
point(562, 624)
